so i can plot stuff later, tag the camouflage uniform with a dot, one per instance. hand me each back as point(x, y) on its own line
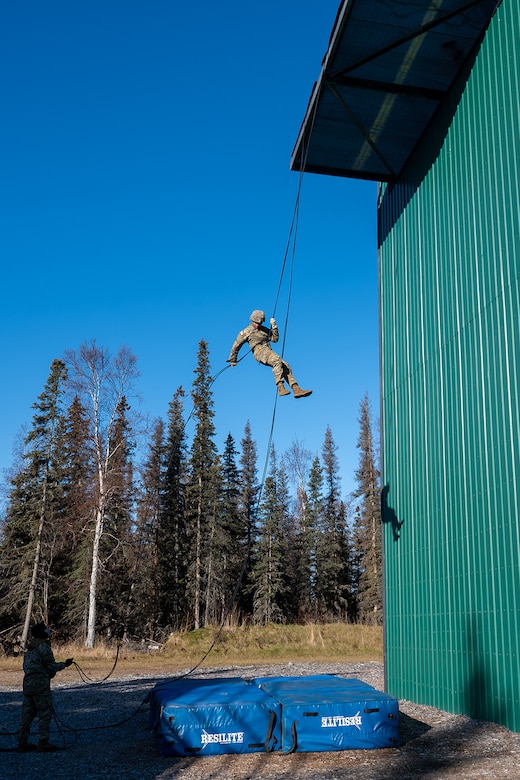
point(259, 341)
point(39, 668)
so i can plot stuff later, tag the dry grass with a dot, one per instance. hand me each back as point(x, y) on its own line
point(259, 644)
point(238, 646)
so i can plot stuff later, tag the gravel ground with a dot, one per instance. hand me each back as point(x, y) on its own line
point(103, 729)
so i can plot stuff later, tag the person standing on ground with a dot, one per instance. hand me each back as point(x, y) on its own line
point(39, 668)
point(259, 339)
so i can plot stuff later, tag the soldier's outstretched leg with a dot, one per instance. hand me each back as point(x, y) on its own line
point(291, 381)
point(282, 372)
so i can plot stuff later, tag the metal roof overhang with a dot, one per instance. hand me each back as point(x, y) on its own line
point(389, 66)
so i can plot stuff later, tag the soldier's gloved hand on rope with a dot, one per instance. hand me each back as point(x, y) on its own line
point(69, 661)
point(232, 361)
point(272, 321)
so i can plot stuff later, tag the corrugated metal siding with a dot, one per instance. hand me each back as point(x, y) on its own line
point(450, 354)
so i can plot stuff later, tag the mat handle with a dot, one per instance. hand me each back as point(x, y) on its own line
point(270, 737)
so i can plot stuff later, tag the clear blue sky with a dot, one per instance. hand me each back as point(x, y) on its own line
point(146, 200)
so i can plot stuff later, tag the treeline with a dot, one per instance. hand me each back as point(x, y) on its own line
point(111, 531)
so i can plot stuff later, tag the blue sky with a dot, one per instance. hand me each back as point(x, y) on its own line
point(146, 200)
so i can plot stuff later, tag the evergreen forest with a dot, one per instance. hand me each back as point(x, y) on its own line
point(117, 530)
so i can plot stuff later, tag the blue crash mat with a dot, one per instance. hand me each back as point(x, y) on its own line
point(202, 717)
point(324, 712)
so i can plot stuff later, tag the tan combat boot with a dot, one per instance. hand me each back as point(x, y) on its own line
point(282, 390)
point(299, 393)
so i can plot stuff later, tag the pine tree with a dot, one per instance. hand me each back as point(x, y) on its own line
point(71, 564)
point(300, 534)
point(268, 582)
point(213, 594)
point(33, 512)
point(309, 543)
point(248, 503)
point(368, 522)
point(290, 548)
point(231, 543)
point(202, 490)
point(172, 539)
point(333, 559)
point(146, 609)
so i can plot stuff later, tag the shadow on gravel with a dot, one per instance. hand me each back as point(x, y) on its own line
point(411, 728)
point(105, 729)
point(441, 755)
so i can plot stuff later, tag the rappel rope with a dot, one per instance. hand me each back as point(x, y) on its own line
point(84, 677)
point(290, 249)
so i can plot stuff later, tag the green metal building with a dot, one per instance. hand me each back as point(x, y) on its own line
point(424, 97)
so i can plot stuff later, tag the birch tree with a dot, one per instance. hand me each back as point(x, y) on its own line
point(101, 382)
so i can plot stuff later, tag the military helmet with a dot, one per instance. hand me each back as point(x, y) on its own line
point(257, 316)
point(40, 631)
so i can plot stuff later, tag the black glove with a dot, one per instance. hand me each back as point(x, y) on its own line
point(69, 661)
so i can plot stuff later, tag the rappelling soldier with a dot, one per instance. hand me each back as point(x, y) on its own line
point(259, 339)
point(39, 668)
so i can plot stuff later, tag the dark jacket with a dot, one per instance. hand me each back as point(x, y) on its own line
point(39, 667)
